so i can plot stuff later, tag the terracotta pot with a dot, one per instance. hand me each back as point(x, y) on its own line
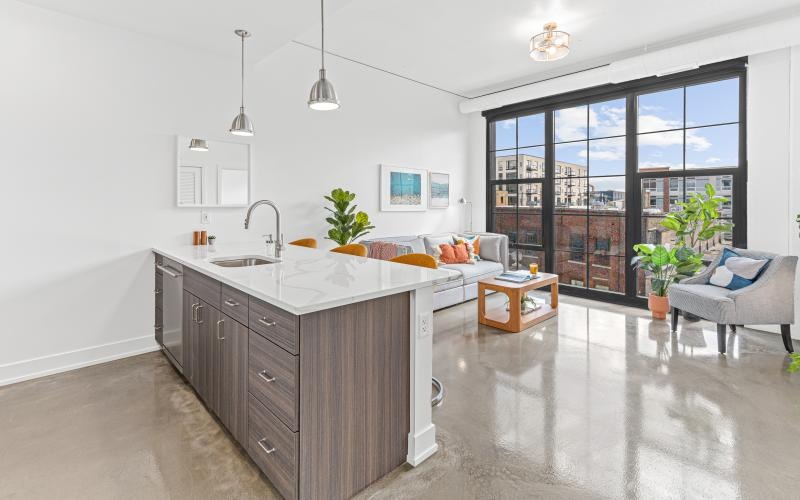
point(659, 306)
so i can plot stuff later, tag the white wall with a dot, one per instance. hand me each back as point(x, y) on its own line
point(773, 144)
point(304, 154)
point(87, 148)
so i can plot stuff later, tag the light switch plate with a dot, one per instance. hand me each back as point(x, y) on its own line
point(204, 218)
point(425, 325)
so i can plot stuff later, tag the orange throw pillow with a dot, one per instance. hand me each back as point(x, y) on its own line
point(462, 255)
point(448, 255)
point(454, 254)
point(476, 245)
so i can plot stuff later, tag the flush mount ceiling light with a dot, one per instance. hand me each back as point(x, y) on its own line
point(550, 45)
point(198, 145)
point(241, 124)
point(323, 95)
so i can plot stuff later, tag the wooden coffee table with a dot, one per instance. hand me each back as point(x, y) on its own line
point(516, 322)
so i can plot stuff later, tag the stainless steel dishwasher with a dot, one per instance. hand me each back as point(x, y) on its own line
point(169, 330)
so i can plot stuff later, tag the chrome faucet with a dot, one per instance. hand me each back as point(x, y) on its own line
point(279, 239)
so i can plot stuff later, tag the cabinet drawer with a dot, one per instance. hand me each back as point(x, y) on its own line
point(275, 324)
point(273, 447)
point(272, 378)
point(201, 286)
point(234, 303)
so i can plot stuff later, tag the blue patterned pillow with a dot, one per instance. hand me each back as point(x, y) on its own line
point(735, 272)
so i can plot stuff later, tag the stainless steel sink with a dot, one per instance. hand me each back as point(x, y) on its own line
point(246, 261)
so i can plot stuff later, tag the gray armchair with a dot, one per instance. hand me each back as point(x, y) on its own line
point(768, 301)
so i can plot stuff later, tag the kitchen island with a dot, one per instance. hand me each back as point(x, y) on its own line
point(318, 364)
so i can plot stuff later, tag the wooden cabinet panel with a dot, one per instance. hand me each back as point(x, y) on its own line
point(273, 378)
point(277, 325)
point(354, 393)
point(234, 303)
point(273, 447)
point(201, 286)
point(230, 375)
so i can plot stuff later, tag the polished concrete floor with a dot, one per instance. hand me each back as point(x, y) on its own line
point(600, 402)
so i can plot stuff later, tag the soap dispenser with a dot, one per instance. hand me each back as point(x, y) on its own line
point(270, 245)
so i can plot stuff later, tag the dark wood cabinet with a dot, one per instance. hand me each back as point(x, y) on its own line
point(217, 362)
point(320, 400)
point(229, 374)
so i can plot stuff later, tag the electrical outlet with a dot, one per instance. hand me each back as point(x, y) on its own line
point(425, 325)
point(204, 217)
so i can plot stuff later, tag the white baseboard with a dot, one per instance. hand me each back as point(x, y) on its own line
point(28, 369)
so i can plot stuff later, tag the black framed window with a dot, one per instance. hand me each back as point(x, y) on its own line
point(576, 179)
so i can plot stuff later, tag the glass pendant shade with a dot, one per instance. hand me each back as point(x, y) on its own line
point(323, 95)
point(242, 125)
point(198, 145)
point(550, 45)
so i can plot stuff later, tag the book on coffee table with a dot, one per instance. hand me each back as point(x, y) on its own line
point(515, 277)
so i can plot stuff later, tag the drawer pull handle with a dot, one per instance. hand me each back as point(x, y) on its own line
point(220, 329)
point(170, 271)
point(194, 312)
point(267, 378)
point(267, 448)
point(157, 291)
point(231, 303)
point(158, 327)
point(265, 321)
point(200, 319)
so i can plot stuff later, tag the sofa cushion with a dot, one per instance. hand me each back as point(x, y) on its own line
point(707, 301)
point(453, 283)
point(432, 242)
point(490, 247)
point(477, 271)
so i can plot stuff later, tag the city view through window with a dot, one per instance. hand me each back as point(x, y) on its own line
point(684, 140)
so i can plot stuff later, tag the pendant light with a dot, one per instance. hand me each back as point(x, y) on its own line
point(198, 145)
point(323, 96)
point(241, 124)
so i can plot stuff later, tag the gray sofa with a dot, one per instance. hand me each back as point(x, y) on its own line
point(464, 284)
point(768, 301)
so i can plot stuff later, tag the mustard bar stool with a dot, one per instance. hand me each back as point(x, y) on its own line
point(416, 259)
point(305, 242)
point(423, 260)
point(356, 249)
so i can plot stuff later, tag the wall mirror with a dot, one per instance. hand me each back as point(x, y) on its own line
point(212, 173)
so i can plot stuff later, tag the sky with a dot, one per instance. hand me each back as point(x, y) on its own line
point(660, 145)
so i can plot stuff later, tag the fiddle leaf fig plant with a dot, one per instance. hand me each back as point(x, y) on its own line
point(698, 218)
point(347, 224)
point(665, 266)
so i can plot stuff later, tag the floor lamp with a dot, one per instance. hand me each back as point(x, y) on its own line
point(468, 205)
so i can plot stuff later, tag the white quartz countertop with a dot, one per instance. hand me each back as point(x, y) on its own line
point(306, 280)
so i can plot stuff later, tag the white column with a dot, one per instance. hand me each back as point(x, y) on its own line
point(422, 433)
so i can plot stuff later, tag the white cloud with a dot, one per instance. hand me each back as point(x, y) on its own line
point(713, 159)
point(570, 124)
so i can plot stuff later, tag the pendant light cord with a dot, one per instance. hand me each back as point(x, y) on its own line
point(242, 36)
point(322, 17)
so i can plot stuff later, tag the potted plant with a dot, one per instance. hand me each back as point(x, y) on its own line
point(795, 364)
point(347, 224)
point(664, 267)
point(526, 304)
point(211, 240)
point(697, 221)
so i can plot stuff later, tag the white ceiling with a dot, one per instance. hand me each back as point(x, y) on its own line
point(206, 25)
point(466, 47)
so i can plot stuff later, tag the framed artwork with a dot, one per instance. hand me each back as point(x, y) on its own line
point(403, 189)
point(440, 190)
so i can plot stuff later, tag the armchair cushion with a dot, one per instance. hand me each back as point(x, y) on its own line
point(734, 272)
